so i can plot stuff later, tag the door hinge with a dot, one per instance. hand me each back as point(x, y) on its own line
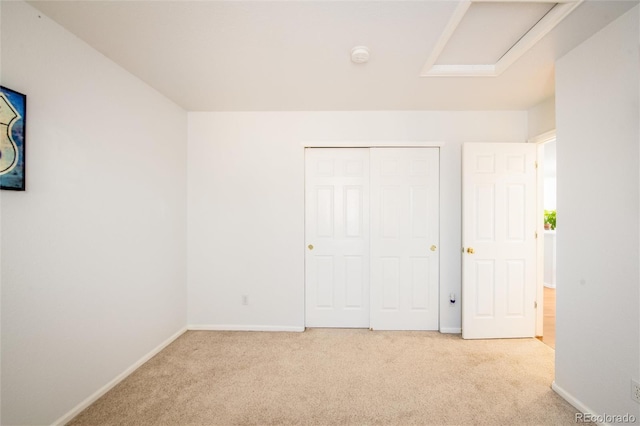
point(536, 234)
point(535, 304)
point(536, 163)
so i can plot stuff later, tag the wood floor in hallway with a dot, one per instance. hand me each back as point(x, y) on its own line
point(549, 322)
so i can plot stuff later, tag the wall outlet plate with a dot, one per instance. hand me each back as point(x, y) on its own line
point(635, 391)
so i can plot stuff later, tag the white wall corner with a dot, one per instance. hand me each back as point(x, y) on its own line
point(543, 137)
point(577, 404)
point(541, 118)
point(119, 378)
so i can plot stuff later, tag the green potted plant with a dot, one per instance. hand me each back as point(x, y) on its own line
point(550, 219)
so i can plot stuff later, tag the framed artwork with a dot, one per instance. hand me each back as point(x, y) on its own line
point(13, 119)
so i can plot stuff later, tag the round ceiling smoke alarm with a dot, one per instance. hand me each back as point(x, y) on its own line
point(360, 54)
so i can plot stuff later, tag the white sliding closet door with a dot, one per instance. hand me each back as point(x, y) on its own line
point(337, 235)
point(382, 274)
point(404, 238)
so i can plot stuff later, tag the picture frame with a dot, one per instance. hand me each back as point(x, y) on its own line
point(13, 120)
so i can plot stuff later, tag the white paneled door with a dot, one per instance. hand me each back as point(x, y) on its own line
point(499, 240)
point(337, 235)
point(404, 238)
point(382, 274)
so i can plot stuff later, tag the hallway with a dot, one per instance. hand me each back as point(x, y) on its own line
point(549, 327)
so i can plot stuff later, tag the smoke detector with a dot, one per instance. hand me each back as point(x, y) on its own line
point(360, 54)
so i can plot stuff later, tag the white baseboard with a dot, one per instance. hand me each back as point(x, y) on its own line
point(577, 404)
point(451, 330)
point(549, 285)
point(234, 327)
point(120, 377)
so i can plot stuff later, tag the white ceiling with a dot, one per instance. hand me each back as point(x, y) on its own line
point(294, 55)
point(488, 30)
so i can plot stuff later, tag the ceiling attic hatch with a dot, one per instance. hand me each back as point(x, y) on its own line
point(484, 37)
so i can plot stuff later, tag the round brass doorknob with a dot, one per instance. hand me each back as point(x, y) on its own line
point(433, 248)
point(470, 250)
point(310, 246)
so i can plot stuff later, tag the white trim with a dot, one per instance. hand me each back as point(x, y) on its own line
point(451, 330)
point(535, 34)
point(540, 285)
point(449, 29)
point(239, 327)
point(120, 377)
point(461, 71)
point(543, 137)
point(526, 42)
point(371, 144)
point(522, 1)
point(539, 213)
point(577, 404)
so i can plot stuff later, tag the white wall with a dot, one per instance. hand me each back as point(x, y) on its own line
point(597, 347)
point(542, 117)
point(94, 252)
point(550, 175)
point(246, 203)
point(550, 193)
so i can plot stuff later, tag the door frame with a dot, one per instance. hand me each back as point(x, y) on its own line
point(540, 140)
point(372, 144)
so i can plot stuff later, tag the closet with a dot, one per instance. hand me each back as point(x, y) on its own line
point(372, 235)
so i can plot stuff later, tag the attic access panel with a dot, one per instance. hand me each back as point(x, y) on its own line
point(484, 37)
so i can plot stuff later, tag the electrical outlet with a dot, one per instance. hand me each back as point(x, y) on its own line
point(635, 391)
point(245, 299)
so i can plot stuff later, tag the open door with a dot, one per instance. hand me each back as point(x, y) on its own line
point(499, 240)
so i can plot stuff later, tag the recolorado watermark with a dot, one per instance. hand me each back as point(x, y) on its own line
point(605, 418)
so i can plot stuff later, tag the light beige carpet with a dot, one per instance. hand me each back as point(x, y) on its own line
point(337, 377)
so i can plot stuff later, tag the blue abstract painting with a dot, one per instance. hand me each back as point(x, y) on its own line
point(13, 118)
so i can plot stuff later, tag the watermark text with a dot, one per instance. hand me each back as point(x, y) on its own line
point(604, 418)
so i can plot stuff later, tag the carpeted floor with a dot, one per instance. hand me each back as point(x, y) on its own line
point(337, 377)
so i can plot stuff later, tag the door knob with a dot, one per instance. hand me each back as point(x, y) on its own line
point(470, 250)
point(310, 246)
point(433, 248)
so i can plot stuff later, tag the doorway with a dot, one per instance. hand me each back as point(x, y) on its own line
point(550, 241)
point(372, 236)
